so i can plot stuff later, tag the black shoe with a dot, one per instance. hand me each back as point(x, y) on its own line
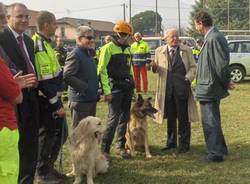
point(225, 152)
point(123, 153)
point(168, 148)
point(58, 175)
point(48, 179)
point(183, 150)
point(216, 159)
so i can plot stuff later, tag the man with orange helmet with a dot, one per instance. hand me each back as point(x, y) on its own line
point(114, 70)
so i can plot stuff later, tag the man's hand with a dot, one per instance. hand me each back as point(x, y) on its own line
point(153, 66)
point(148, 66)
point(25, 81)
point(231, 85)
point(108, 98)
point(61, 113)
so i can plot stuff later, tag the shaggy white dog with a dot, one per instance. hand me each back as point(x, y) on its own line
point(87, 159)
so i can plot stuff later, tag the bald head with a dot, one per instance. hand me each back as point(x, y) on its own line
point(12, 7)
point(171, 37)
point(170, 31)
point(137, 36)
point(18, 17)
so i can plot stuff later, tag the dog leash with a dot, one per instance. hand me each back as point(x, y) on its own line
point(64, 132)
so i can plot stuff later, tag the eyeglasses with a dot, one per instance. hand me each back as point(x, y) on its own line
point(88, 37)
point(27, 17)
point(172, 37)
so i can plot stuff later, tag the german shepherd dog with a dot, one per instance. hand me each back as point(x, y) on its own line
point(137, 131)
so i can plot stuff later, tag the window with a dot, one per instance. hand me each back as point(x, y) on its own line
point(62, 31)
point(231, 47)
point(244, 47)
point(153, 44)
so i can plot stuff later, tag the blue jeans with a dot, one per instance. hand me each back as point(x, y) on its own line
point(119, 111)
point(211, 122)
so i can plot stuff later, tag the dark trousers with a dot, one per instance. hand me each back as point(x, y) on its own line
point(51, 138)
point(119, 111)
point(177, 108)
point(28, 152)
point(80, 110)
point(211, 122)
point(28, 115)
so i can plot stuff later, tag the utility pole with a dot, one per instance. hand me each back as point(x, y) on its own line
point(249, 14)
point(124, 11)
point(130, 4)
point(203, 4)
point(179, 18)
point(228, 18)
point(156, 18)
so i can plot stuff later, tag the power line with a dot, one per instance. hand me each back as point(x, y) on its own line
point(160, 7)
point(89, 9)
point(230, 8)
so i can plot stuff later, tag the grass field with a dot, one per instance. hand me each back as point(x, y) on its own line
point(171, 168)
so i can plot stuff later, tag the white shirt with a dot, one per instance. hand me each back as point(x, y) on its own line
point(170, 49)
point(16, 35)
point(208, 32)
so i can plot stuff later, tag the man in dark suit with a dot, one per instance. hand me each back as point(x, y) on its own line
point(213, 82)
point(176, 68)
point(20, 48)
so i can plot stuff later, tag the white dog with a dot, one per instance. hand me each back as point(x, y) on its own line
point(87, 159)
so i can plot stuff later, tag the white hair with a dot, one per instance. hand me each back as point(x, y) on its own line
point(170, 30)
point(137, 34)
point(82, 30)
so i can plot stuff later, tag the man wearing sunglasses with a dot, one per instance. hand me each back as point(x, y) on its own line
point(80, 74)
point(114, 69)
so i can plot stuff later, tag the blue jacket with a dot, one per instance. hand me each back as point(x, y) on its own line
point(80, 73)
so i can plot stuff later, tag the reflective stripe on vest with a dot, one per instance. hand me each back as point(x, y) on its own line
point(46, 62)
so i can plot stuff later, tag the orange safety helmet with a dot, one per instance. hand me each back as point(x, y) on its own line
point(123, 27)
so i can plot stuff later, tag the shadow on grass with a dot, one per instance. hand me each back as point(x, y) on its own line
point(170, 167)
point(173, 168)
point(245, 81)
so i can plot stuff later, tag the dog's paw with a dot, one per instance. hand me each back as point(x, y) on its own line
point(71, 174)
point(132, 153)
point(149, 156)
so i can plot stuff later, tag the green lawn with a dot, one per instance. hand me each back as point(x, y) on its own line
point(171, 168)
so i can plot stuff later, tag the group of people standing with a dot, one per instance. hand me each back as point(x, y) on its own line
point(40, 113)
point(175, 66)
point(32, 79)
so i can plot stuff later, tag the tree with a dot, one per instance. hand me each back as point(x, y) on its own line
point(144, 23)
point(238, 14)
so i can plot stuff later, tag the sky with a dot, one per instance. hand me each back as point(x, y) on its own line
point(112, 10)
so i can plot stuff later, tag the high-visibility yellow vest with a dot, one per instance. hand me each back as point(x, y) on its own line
point(111, 56)
point(140, 52)
point(46, 62)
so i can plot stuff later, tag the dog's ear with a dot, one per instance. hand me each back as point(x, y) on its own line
point(139, 100)
point(149, 99)
point(80, 130)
